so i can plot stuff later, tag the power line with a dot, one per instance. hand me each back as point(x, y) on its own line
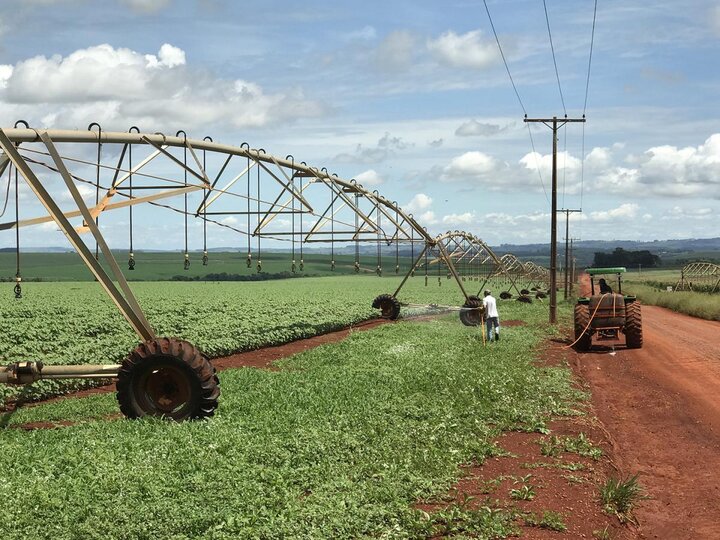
point(497, 40)
point(517, 94)
point(537, 163)
point(552, 48)
point(592, 41)
point(587, 89)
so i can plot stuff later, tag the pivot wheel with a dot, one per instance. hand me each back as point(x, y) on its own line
point(167, 378)
point(388, 305)
point(473, 312)
point(633, 326)
point(583, 334)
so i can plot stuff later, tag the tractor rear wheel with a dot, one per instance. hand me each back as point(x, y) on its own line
point(633, 326)
point(473, 312)
point(388, 305)
point(168, 378)
point(583, 334)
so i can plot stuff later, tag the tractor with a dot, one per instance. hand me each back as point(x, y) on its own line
point(606, 314)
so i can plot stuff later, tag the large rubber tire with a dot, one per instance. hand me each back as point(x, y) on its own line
point(388, 305)
point(167, 378)
point(633, 326)
point(524, 298)
point(582, 320)
point(473, 316)
point(506, 295)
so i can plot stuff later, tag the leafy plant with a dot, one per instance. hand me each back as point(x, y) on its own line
point(524, 493)
point(547, 520)
point(621, 495)
point(603, 534)
point(554, 446)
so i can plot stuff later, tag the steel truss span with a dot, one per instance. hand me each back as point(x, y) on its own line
point(267, 197)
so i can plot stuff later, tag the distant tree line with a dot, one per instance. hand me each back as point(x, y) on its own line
point(224, 276)
point(621, 257)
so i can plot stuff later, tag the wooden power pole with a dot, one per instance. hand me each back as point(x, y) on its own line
point(554, 124)
point(567, 252)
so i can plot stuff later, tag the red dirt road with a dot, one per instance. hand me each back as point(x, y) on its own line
point(661, 407)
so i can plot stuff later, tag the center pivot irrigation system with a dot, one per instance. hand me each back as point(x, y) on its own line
point(251, 192)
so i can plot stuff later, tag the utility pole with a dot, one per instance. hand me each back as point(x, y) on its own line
point(554, 124)
point(573, 264)
point(567, 253)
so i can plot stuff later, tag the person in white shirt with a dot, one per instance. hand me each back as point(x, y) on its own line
point(492, 319)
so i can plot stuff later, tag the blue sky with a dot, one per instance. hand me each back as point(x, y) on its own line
point(410, 96)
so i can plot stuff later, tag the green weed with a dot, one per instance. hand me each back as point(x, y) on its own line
point(524, 493)
point(547, 520)
point(554, 446)
point(603, 534)
point(619, 496)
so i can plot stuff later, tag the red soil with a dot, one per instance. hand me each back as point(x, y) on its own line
point(661, 409)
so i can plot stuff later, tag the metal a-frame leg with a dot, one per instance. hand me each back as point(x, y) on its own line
point(451, 267)
point(127, 304)
point(412, 269)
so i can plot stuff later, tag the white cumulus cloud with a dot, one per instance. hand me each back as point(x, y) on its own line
point(470, 165)
point(624, 211)
point(474, 128)
point(470, 50)
point(119, 87)
point(369, 178)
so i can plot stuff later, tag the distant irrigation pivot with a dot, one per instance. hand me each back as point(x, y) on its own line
point(699, 276)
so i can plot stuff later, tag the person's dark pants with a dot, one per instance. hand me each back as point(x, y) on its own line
point(490, 323)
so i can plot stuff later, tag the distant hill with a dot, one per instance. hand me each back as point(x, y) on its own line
point(672, 253)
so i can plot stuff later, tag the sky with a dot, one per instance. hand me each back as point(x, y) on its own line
point(410, 97)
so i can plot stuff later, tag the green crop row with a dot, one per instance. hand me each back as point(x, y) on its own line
point(76, 323)
point(340, 443)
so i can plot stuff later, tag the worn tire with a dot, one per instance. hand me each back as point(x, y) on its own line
point(582, 319)
point(167, 378)
point(506, 295)
point(633, 326)
point(524, 292)
point(524, 298)
point(472, 317)
point(388, 305)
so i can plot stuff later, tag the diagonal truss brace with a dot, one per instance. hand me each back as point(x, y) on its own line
point(127, 304)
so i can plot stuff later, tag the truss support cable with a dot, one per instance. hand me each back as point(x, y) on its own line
point(332, 230)
point(302, 240)
point(249, 245)
point(18, 276)
point(357, 234)
point(259, 256)
point(97, 180)
point(131, 255)
point(205, 257)
point(397, 241)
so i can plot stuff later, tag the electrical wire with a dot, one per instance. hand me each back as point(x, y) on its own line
point(587, 89)
point(497, 40)
point(552, 48)
point(517, 94)
point(592, 42)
